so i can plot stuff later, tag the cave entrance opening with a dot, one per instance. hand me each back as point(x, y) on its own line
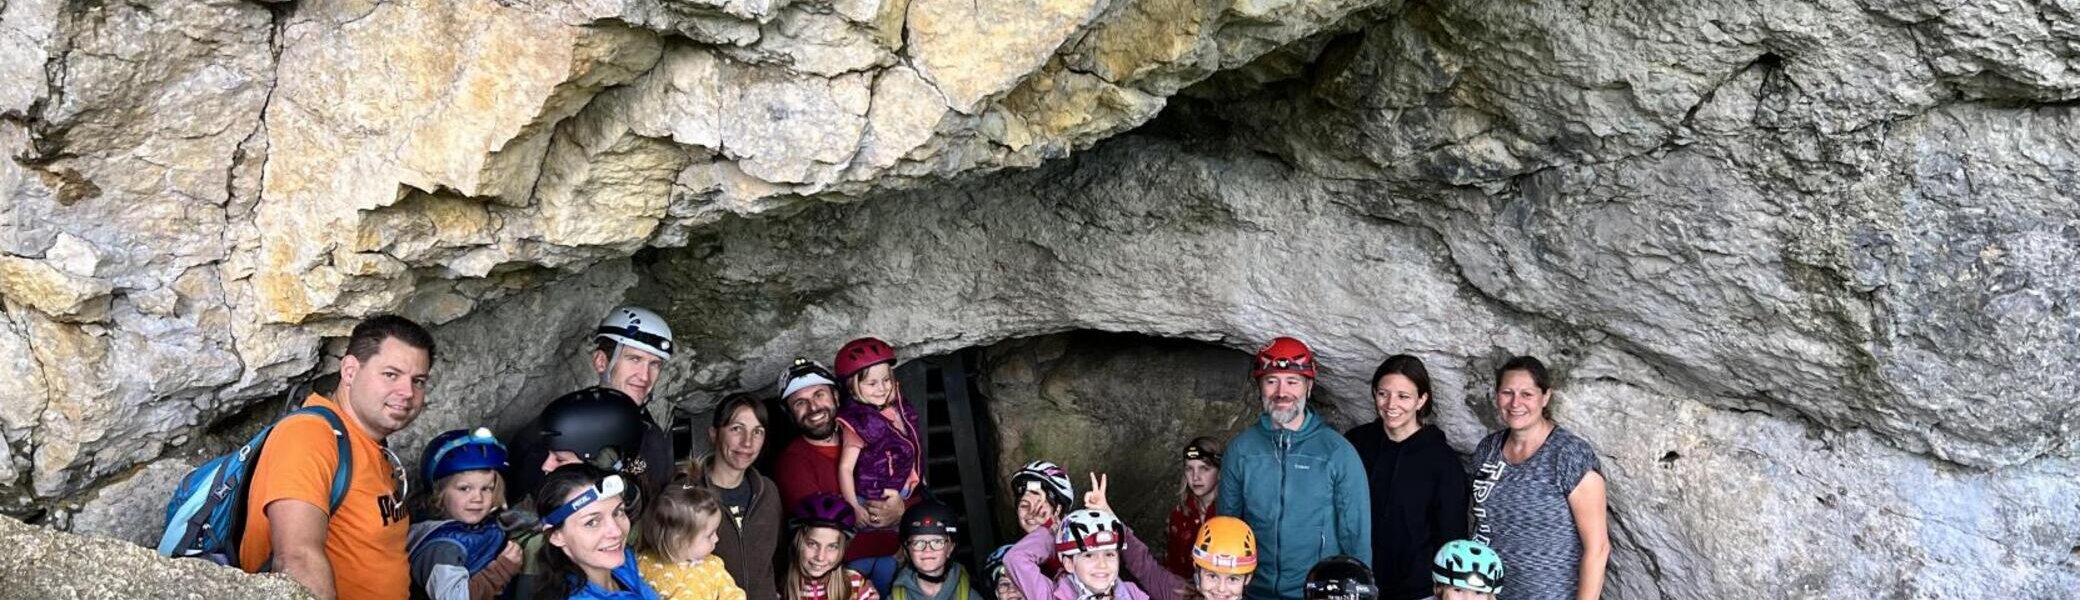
point(959, 450)
point(1122, 404)
point(1118, 403)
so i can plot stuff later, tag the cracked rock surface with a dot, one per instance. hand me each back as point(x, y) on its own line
point(1810, 270)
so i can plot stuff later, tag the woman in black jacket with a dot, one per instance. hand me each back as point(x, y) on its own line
point(1419, 489)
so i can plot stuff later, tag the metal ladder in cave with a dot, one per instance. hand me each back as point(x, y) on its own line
point(959, 455)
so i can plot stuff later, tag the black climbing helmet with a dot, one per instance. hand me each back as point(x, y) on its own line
point(1340, 578)
point(591, 422)
point(929, 517)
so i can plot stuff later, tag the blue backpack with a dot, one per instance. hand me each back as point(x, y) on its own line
point(207, 515)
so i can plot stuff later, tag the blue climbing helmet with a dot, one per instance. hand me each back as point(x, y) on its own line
point(462, 450)
point(1469, 565)
point(994, 567)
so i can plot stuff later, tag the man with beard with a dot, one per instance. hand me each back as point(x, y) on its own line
point(809, 465)
point(1297, 482)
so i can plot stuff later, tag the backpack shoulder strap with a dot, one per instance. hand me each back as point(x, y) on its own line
point(344, 476)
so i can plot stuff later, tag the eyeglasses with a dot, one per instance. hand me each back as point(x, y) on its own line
point(930, 543)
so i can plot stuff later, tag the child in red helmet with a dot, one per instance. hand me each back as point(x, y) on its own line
point(880, 449)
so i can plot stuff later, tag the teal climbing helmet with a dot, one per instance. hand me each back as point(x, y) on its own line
point(1467, 564)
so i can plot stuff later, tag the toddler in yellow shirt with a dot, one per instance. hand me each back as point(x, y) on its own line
point(675, 550)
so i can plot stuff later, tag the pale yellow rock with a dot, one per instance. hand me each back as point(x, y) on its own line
point(469, 91)
point(817, 43)
point(23, 389)
point(437, 304)
point(425, 227)
point(1059, 106)
point(727, 189)
point(606, 187)
point(75, 365)
point(73, 255)
point(883, 17)
point(1149, 36)
point(61, 295)
point(907, 112)
point(681, 99)
point(974, 51)
point(787, 128)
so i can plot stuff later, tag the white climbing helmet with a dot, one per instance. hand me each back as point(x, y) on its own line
point(1089, 531)
point(637, 327)
point(1051, 480)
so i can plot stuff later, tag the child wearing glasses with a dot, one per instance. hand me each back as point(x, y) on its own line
point(928, 571)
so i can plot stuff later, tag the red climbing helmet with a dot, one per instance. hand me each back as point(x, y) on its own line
point(861, 353)
point(1284, 355)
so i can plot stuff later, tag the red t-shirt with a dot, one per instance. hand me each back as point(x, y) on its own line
point(804, 468)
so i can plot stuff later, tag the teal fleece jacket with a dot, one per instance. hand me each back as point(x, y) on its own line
point(1303, 493)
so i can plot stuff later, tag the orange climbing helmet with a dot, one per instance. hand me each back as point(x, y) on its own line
point(1284, 355)
point(1226, 546)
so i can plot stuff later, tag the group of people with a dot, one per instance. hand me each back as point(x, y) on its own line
point(587, 500)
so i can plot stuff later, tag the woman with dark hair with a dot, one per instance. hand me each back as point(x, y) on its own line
point(749, 537)
point(585, 525)
point(1418, 486)
point(1539, 495)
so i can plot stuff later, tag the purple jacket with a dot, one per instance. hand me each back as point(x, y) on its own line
point(1023, 562)
point(889, 456)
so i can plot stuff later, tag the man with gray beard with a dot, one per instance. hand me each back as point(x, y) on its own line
point(1298, 483)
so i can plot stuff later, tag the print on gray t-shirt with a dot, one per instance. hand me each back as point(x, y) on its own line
point(1521, 511)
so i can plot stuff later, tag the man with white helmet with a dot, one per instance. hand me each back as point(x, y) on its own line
point(630, 348)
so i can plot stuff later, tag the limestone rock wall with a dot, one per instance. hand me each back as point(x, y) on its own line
point(199, 194)
point(1714, 494)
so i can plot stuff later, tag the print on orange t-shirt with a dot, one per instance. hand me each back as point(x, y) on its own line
point(365, 540)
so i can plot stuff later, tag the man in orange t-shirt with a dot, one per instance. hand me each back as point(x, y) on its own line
point(358, 552)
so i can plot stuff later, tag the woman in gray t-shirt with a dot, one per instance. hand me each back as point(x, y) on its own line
point(1538, 494)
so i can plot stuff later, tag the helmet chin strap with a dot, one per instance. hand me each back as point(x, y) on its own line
point(606, 375)
point(939, 577)
point(1086, 593)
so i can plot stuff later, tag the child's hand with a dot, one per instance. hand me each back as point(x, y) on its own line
point(1034, 514)
point(511, 553)
point(1095, 499)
